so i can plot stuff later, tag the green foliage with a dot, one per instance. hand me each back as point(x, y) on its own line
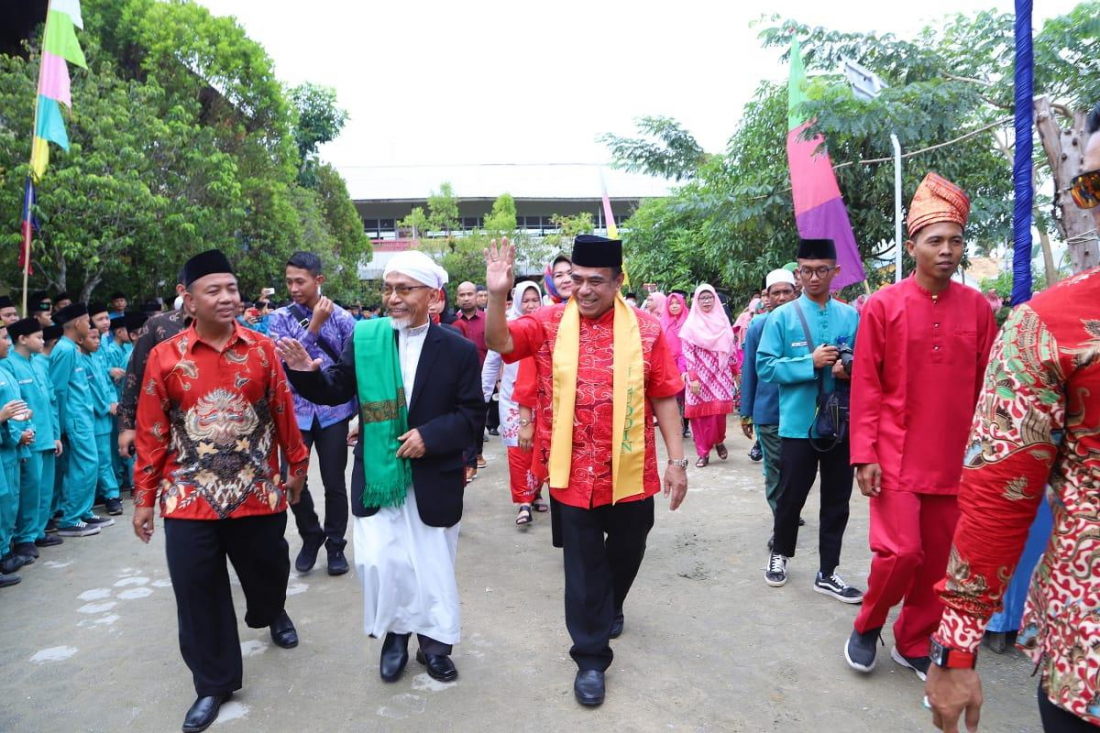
point(182, 140)
point(733, 220)
point(416, 223)
point(666, 149)
point(502, 220)
point(443, 212)
point(319, 121)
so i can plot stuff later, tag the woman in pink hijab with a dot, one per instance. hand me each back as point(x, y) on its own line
point(708, 346)
point(673, 316)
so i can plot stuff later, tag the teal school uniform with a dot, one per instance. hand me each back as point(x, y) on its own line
point(36, 480)
point(72, 385)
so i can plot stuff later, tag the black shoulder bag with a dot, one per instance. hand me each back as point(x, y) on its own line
point(322, 342)
point(830, 421)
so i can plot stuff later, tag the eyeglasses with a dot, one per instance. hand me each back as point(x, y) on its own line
point(821, 272)
point(705, 296)
point(401, 290)
point(1086, 189)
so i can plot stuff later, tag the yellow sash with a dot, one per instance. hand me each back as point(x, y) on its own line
point(627, 452)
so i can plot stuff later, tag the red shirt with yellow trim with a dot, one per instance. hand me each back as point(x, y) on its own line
point(210, 424)
point(590, 471)
point(1036, 433)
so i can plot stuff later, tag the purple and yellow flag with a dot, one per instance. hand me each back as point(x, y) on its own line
point(818, 206)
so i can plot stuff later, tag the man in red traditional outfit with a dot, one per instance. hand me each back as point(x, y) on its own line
point(604, 372)
point(215, 409)
point(1036, 435)
point(907, 440)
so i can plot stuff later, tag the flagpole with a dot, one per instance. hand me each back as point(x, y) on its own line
point(28, 236)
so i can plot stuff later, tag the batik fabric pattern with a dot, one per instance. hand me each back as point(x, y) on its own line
point(210, 424)
point(1036, 434)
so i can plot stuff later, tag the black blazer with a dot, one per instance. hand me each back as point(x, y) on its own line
point(448, 408)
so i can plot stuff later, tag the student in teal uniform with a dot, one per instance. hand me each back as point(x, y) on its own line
point(71, 383)
point(803, 368)
point(117, 354)
point(16, 431)
point(50, 335)
point(104, 408)
point(36, 477)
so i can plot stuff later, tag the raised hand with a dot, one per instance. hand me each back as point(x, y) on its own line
point(498, 267)
point(295, 355)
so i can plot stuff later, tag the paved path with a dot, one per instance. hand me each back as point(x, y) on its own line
point(88, 640)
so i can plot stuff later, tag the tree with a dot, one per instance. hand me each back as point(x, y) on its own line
point(502, 220)
point(319, 121)
point(416, 223)
point(674, 153)
point(443, 212)
point(732, 220)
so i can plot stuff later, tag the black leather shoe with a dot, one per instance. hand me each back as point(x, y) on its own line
point(204, 712)
point(337, 563)
point(283, 632)
point(395, 655)
point(12, 562)
point(50, 540)
point(617, 625)
point(588, 688)
point(440, 667)
point(307, 557)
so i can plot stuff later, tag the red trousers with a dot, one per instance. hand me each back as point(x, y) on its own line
point(708, 431)
point(910, 540)
point(519, 475)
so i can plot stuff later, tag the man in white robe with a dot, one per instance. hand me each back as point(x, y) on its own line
point(405, 542)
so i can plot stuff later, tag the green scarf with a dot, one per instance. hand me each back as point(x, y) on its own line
point(383, 414)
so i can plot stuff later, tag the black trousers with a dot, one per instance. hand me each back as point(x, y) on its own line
point(492, 414)
point(1059, 720)
point(197, 551)
point(332, 456)
point(603, 550)
point(798, 467)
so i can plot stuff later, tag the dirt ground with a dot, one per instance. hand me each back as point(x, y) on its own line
point(88, 640)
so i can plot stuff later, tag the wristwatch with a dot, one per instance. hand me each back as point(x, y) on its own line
point(524, 422)
point(949, 658)
point(681, 462)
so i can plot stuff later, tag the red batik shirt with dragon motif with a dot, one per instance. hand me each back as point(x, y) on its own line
point(210, 424)
point(590, 470)
point(1037, 433)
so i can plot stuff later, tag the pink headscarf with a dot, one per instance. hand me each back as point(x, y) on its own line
point(710, 331)
point(657, 299)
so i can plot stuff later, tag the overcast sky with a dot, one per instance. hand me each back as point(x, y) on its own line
point(535, 81)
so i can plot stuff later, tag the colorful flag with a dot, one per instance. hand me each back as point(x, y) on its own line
point(29, 225)
point(609, 223)
point(818, 206)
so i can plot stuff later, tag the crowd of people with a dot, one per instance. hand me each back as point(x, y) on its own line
point(953, 433)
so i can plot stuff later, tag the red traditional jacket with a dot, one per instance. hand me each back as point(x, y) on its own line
point(590, 475)
point(919, 365)
point(210, 424)
point(1036, 432)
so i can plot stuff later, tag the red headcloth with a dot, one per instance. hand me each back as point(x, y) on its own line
point(937, 199)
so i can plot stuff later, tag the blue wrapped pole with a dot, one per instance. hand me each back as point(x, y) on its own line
point(1021, 168)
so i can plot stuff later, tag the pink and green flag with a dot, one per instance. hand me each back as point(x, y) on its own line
point(818, 206)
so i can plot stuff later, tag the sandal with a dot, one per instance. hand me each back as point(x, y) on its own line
point(720, 449)
point(702, 462)
point(540, 506)
point(524, 516)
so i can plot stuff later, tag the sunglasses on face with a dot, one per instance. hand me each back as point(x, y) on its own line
point(1086, 190)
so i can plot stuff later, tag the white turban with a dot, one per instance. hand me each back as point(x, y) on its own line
point(418, 266)
point(779, 276)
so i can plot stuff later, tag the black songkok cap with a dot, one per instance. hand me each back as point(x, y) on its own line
point(210, 262)
point(40, 306)
point(5, 302)
point(592, 251)
point(70, 313)
point(134, 321)
point(816, 249)
point(61, 296)
point(24, 327)
point(96, 308)
point(52, 333)
point(119, 322)
point(117, 294)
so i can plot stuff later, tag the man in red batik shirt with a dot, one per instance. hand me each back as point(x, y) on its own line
point(908, 441)
point(214, 410)
point(604, 372)
point(1036, 436)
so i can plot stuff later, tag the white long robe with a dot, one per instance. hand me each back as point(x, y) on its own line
point(406, 568)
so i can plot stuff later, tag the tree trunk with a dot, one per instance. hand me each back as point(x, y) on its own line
point(1065, 151)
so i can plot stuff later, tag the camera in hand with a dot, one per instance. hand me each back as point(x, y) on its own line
point(846, 357)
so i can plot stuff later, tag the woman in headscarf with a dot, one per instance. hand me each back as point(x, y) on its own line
point(672, 320)
point(708, 347)
point(655, 304)
point(527, 299)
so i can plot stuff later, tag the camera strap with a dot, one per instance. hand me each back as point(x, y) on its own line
point(810, 345)
point(322, 342)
